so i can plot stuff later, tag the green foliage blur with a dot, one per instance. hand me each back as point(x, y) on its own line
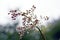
point(52, 33)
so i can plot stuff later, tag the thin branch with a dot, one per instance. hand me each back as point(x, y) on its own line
point(42, 36)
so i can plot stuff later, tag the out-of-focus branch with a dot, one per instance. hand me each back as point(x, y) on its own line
point(42, 35)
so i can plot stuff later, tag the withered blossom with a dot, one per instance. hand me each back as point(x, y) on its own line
point(8, 13)
point(23, 14)
point(33, 6)
point(13, 10)
point(36, 21)
point(29, 21)
point(46, 17)
point(29, 11)
point(18, 13)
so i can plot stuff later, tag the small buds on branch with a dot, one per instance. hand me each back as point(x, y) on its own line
point(29, 19)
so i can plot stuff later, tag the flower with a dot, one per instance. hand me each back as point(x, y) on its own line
point(30, 20)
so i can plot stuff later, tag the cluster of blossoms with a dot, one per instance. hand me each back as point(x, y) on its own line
point(29, 19)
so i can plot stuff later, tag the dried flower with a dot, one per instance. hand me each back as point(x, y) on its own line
point(8, 13)
point(33, 6)
point(29, 21)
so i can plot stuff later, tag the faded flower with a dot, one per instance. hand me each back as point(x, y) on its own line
point(30, 20)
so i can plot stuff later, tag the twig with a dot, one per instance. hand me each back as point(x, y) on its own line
point(42, 36)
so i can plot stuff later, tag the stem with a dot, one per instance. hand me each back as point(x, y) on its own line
point(42, 36)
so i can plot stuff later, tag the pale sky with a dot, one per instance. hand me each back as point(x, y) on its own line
point(50, 8)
